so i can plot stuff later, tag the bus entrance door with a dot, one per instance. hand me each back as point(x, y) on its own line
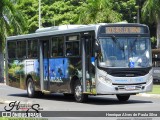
point(45, 65)
point(86, 42)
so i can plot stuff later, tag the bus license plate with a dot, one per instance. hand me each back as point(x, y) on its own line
point(130, 87)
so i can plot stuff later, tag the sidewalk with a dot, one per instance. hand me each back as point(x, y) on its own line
point(149, 95)
point(2, 83)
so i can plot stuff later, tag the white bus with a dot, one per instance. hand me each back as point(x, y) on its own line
point(82, 60)
point(156, 65)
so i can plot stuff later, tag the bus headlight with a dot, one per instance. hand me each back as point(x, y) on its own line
point(104, 79)
point(101, 78)
point(150, 79)
point(108, 81)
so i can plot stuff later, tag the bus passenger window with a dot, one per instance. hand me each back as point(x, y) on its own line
point(21, 49)
point(32, 49)
point(57, 46)
point(72, 45)
point(69, 49)
point(60, 46)
point(72, 48)
point(12, 50)
point(60, 50)
point(54, 51)
point(75, 48)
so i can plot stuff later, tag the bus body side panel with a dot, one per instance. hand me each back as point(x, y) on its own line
point(18, 70)
point(58, 74)
point(32, 70)
point(16, 74)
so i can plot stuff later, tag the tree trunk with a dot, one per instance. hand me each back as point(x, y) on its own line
point(1, 64)
point(158, 33)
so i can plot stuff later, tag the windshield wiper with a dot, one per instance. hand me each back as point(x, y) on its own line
point(117, 43)
point(114, 38)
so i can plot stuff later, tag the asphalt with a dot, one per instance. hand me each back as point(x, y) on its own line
point(140, 94)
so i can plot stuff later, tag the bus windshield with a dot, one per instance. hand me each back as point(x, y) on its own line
point(125, 52)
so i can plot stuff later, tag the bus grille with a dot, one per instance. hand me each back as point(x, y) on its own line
point(129, 83)
point(128, 73)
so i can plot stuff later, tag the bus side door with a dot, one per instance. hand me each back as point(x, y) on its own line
point(88, 59)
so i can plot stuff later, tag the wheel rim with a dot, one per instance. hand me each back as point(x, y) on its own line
point(30, 88)
point(78, 92)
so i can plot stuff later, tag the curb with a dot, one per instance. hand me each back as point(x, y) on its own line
point(149, 95)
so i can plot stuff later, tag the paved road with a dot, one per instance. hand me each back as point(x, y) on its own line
point(57, 102)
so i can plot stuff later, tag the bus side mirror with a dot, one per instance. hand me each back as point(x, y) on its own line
point(97, 47)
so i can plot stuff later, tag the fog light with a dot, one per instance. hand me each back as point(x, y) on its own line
point(143, 87)
point(116, 88)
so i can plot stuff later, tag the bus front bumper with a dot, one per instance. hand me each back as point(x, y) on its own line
point(104, 88)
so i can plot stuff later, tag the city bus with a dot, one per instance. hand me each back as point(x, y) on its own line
point(156, 65)
point(82, 60)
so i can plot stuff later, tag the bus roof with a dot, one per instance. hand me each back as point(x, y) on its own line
point(66, 29)
point(56, 30)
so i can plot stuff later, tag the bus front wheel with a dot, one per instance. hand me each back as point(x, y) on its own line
point(79, 96)
point(30, 88)
point(123, 97)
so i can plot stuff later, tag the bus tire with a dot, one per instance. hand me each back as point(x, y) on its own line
point(123, 98)
point(30, 88)
point(78, 95)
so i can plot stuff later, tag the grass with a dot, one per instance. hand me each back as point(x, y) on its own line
point(155, 90)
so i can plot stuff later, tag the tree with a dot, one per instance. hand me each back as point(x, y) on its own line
point(53, 12)
point(151, 12)
point(127, 8)
point(11, 23)
point(96, 11)
point(60, 12)
point(29, 8)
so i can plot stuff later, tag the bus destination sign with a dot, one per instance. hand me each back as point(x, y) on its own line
point(123, 30)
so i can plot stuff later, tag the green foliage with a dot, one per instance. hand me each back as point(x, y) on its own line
point(127, 8)
point(53, 12)
point(97, 11)
point(153, 42)
point(156, 89)
point(59, 12)
point(29, 9)
point(151, 10)
point(11, 20)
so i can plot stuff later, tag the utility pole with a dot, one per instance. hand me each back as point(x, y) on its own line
point(40, 14)
point(138, 11)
